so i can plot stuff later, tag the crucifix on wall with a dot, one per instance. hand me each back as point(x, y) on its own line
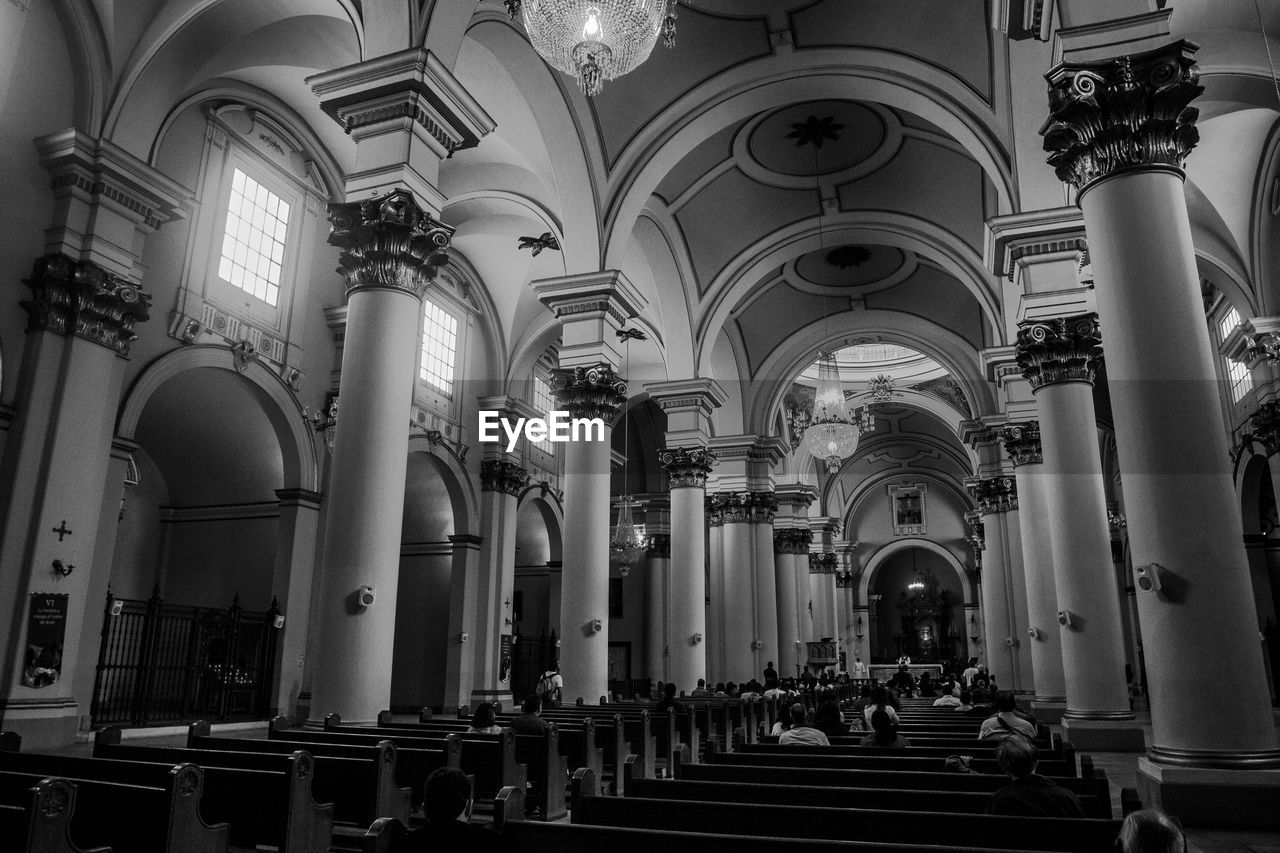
point(907, 506)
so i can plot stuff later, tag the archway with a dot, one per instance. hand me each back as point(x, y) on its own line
point(925, 621)
point(1262, 547)
point(536, 599)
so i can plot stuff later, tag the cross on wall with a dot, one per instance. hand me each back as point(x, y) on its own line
point(62, 530)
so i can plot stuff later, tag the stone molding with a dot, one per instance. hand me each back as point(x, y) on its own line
point(1059, 349)
point(79, 298)
point(1120, 114)
point(388, 242)
point(500, 475)
point(1022, 442)
point(1263, 433)
point(686, 467)
point(792, 540)
point(823, 564)
point(741, 507)
point(659, 546)
point(994, 494)
point(589, 392)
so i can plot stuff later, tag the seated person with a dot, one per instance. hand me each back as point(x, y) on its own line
point(926, 686)
point(483, 721)
point(752, 690)
point(881, 698)
point(903, 680)
point(1005, 722)
point(447, 805)
point(1150, 831)
point(701, 689)
point(884, 732)
point(801, 731)
point(946, 700)
point(1029, 795)
point(731, 690)
point(981, 705)
point(860, 706)
point(530, 721)
point(966, 702)
point(828, 720)
point(669, 703)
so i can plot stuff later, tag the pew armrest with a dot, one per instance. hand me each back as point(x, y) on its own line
point(201, 728)
point(382, 835)
point(1129, 801)
point(10, 742)
point(508, 807)
point(109, 734)
point(584, 784)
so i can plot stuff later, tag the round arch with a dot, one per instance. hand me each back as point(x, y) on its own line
point(888, 550)
point(1249, 474)
point(462, 495)
point(548, 508)
point(297, 444)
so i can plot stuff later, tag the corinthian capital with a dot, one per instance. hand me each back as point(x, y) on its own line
point(388, 242)
point(1062, 349)
point(687, 467)
point(1125, 113)
point(750, 507)
point(79, 298)
point(499, 475)
point(994, 494)
point(792, 540)
point(589, 392)
point(1021, 442)
point(822, 564)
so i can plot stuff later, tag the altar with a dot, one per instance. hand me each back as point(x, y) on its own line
point(885, 671)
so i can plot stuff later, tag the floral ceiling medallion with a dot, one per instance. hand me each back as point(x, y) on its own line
point(844, 257)
point(815, 131)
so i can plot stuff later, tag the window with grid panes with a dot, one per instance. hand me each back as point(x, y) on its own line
point(544, 401)
point(253, 239)
point(1238, 374)
point(439, 347)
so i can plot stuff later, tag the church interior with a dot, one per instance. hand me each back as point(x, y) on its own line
point(907, 332)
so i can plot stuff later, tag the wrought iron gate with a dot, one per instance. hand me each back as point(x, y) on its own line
point(162, 662)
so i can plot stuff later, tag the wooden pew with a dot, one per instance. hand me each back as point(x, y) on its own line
point(36, 818)
point(978, 749)
point(490, 759)
point(360, 788)
point(829, 758)
point(129, 808)
point(859, 824)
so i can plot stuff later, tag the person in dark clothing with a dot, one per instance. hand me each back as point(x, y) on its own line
point(884, 732)
point(669, 703)
point(529, 722)
point(770, 676)
point(1151, 831)
point(447, 806)
point(1029, 795)
point(827, 719)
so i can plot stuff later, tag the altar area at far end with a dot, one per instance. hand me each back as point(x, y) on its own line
point(886, 671)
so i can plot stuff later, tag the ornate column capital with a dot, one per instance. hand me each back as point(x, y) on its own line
point(594, 391)
point(80, 298)
point(499, 475)
point(388, 242)
point(659, 547)
point(687, 467)
point(1022, 442)
point(749, 507)
point(993, 494)
point(792, 540)
point(822, 564)
point(1059, 349)
point(1121, 114)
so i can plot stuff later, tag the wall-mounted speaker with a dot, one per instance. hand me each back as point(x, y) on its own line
point(366, 596)
point(1066, 618)
point(1147, 578)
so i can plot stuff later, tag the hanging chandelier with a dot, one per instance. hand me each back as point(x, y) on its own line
point(595, 40)
point(626, 545)
point(833, 430)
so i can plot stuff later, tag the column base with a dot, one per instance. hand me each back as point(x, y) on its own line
point(1104, 735)
point(1049, 710)
point(498, 698)
point(43, 723)
point(1211, 797)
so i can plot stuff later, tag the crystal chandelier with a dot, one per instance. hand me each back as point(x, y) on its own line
point(595, 40)
point(833, 431)
point(627, 545)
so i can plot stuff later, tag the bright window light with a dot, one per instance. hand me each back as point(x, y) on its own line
point(544, 402)
point(439, 345)
point(253, 242)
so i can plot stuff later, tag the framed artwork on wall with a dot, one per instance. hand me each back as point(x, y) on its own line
point(907, 508)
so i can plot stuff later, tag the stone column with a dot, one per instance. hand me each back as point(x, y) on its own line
point(501, 482)
point(716, 640)
point(86, 299)
point(763, 510)
point(846, 597)
point(1022, 442)
point(592, 308)
point(460, 659)
point(686, 469)
point(996, 497)
point(391, 248)
point(293, 585)
point(1059, 357)
point(790, 548)
point(822, 594)
point(1119, 131)
point(657, 606)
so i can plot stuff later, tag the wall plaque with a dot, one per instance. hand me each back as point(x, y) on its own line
point(907, 507)
point(46, 628)
point(504, 658)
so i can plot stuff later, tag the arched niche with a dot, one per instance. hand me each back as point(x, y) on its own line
point(887, 574)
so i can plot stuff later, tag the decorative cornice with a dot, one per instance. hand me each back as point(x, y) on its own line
point(1060, 349)
point(499, 475)
point(687, 467)
point(823, 564)
point(792, 540)
point(1022, 442)
point(659, 546)
point(994, 494)
point(388, 242)
point(589, 392)
point(79, 298)
point(1120, 114)
point(747, 507)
